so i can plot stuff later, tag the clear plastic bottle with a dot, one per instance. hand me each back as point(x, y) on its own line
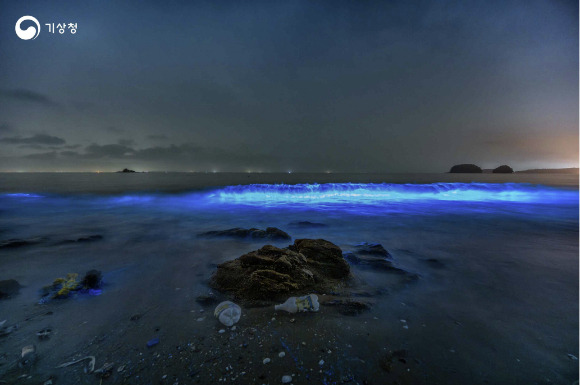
point(228, 313)
point(295, 304)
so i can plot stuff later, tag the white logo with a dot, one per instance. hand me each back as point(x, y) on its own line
point(30, 32)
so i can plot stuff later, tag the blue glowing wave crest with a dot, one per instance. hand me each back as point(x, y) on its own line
point(366, 193)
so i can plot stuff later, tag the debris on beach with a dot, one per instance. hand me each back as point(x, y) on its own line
point(88, 369)
point(28, 355)
point(62, 288)
point(44, 334)
point(228, 313)
point(296, 304)
point(152, 342)
point(5, 330)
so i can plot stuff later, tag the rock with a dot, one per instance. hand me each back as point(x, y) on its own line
point(92, 279)
point(466, 168)
point(286, 379)
point(272, 233)
point(308, 224)
point(90, 238)
point(349, 307)
point(9, 288)
point(323, 254)
point(435, 263)
point(271, 273)
point(370, 262)
point(372, 249)
point(504, 169)
point(14, 243)
point(126, 170)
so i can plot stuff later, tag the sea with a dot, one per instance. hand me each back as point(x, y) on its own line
point(496, 256)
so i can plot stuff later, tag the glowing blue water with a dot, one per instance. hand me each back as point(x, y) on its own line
point(365, 193)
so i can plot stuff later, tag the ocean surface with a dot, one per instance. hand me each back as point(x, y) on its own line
point(496, 255)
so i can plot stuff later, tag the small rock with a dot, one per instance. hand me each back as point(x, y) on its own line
point(9, 288)
point(321, 362)
point(281, 354)
point(92, 279)
point(266, 360)
point(222, 331)
point(286, 379)
point(292, 320)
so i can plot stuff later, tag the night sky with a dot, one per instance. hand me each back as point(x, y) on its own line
point(297, 86)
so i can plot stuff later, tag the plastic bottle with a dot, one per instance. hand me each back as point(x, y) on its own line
point(228, 313)
point(295, 304)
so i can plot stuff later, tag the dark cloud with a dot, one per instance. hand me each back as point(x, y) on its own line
point(28, 96)
point(6, 128)
point(38, 139)
point(157, 137)
point(43, 156)
point(391, 86)
point(69, 154)
point(116, 151)
point(114, 130)
point(126, 142)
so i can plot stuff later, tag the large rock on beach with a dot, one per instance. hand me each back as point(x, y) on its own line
point(272, 273)
point(272, 233)
point(466, 168)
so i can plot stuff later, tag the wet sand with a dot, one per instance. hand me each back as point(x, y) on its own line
point(496, 301)
point(418, 333)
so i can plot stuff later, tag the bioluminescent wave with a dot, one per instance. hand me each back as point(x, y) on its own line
point(373, 194)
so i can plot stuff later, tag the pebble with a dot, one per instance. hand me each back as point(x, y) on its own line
point(200, 319)
point(405, 326)
point(292, 320)
point(266, 360)
point(303, 343)
point(273, 318)
point(321, 362)
point(281, 354)
point(286, 379)
point(233, 328)
point(222, 331)
point(403, 321)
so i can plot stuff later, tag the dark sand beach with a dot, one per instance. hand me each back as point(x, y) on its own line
point(495, 300)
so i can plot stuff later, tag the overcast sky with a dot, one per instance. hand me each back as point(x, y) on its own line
point(295, 85)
